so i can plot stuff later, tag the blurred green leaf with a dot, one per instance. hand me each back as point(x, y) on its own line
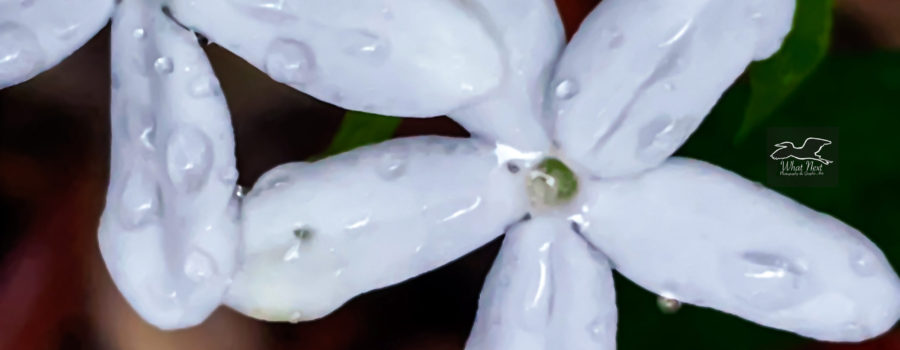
point(773, 80)
point(360, 129)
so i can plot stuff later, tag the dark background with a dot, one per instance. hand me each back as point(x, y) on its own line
point(54, 146)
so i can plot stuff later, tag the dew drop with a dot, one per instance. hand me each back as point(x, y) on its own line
point(668, 305)
point(863, 263)
point(199, 266)
point(140, 125)
point(392, 165)
point(204, 86)
point(662, 136)
point(295, 317)
point(138, 33)
point(290, 62)
point(566, 89)
point(366, 45)
point(21, 56)
point(189, 155)
point(163, 65)
point(139, 202)
point(600, 327)
point(767, 281)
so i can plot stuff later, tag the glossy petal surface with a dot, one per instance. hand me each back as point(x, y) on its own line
point(639, 76)
point(547, 290)
point(318, 234)
point(400, 58)
point(169, 232)
point(36, 34)
point(532, 38)
point(702, 235)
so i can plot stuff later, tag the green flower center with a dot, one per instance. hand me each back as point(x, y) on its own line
point(551, 183)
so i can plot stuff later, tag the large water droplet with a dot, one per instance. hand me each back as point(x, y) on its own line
point(21, 56)
point(668, 305)
point(290, 62)
point(199, 266)
point(189, 155)
point(139, 202)
point(163, 65)
point(366, 45)
point(566, 89)
point(767, 281)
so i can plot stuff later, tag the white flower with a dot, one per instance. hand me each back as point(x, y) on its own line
point(581, 180)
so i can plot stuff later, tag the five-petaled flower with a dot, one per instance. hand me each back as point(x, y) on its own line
point(570, 157)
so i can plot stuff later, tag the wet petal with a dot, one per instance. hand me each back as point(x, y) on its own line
point(547, 290)
point(36, 34)
point(169, 231)
point(639, 76)
point(402, 58)
point(318, 234)
point(699, 234)
point(532, 35)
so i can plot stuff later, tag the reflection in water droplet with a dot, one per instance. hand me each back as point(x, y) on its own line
point(138, 33)
point(678, 33)
point(21, 55)
point(163, 65)
point(566, 89)
point(139, 202)
point(767, 281)
point(189, 156)
point(290, 62)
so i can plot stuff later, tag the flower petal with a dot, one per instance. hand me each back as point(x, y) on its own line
point(547, 290)
point(36, 35)
point(403, 58)
point(318, 234)
point(699, 234)
point(639, 76)
point(532, 36)
point(169, 232)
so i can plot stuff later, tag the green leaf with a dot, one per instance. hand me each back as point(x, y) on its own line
point(360, 129)
point(773, 80)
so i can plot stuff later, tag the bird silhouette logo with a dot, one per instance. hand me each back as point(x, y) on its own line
point(808, 151)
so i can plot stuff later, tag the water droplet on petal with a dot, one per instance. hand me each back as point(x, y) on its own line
point(863, 263)
point(290, 62)
point(366, 45)
point(204, 86)
point(189, 155)
point(138, 33)
point(199, 266)
point(662, 136)
point(163, 65)
point(566, 89)
point(767, 281)
point(139, 203)
point(21, 56)
point(392, 164)
point(295, 317)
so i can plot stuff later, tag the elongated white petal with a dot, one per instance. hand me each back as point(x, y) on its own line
point(547, 290)
point(318, 234)
point(700, 234)
point(36, 35)
point(639, 76)
point(401, 58)
point(169, 231)
point(532, 37)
